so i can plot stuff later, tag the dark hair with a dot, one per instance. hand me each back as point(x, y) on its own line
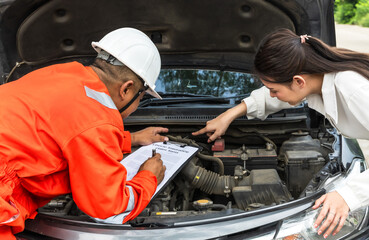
point(282, 55)
point(116, 73)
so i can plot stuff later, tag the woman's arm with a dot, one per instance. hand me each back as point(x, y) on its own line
point(258, 105)
point(217, 127)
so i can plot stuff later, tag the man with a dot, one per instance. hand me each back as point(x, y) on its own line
point(61, 131)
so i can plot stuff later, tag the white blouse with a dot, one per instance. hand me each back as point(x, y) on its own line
point(345, 103)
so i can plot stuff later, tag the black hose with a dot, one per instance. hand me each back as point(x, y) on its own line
point(214, 159)
point(199, 155)
point(208, 181)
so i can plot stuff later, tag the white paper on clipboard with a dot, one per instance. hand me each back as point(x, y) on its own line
point(173, 154)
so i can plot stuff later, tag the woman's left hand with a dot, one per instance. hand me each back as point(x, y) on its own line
point(148, 135)
point(334, 211)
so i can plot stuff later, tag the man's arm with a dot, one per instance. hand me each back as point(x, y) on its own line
point(98, 179)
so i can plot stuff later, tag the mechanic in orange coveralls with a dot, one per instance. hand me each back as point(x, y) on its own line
point(61, 131)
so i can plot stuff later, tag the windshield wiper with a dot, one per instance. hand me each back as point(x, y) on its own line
point(155, 101)
point(187, 98)
point(174, 94)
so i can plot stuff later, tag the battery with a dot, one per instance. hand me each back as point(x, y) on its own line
point(256, 158)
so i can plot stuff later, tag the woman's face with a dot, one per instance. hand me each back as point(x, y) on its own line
point(293, 93)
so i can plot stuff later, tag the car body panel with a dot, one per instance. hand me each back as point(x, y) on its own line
point(205, 229)
point(43, 31)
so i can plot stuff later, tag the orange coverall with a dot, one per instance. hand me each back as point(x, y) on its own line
point(59, 133)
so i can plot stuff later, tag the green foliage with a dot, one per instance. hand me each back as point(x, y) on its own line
point(345, 12)
point(364, 21)
point(352, 12)
point(362, 10)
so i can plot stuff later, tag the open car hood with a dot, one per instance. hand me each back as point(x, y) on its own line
point(260, 179)
point(38, 31)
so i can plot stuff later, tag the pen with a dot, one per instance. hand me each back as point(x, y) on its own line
point(153, 152)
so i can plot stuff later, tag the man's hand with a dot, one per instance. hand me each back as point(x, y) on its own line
point(335, 211)
point(154, 165)
point(148, 135)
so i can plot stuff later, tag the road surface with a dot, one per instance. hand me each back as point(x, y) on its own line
point(352, 37)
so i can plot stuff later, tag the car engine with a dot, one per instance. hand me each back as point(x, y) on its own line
point(245, 170)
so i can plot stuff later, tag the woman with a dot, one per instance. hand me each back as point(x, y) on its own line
point(334, 81)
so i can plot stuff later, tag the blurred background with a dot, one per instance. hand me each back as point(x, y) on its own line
point(352, 32)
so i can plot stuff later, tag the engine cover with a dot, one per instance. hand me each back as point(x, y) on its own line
point(262, 187)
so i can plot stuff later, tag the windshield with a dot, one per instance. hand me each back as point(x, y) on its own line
point(206, 82)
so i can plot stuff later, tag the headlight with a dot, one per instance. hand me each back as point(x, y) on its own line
point(300, 226)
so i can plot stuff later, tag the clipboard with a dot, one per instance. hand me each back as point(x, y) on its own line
point(173, 154)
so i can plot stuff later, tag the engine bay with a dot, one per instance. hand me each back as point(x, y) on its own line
point(247, 169)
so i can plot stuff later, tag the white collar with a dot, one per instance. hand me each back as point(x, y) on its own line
point(327, 104)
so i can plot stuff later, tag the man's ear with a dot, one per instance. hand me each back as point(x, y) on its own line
point(299, 80)
point(126, 88)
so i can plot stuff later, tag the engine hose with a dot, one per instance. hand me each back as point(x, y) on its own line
point(214, 159)
point(208, 181)
point(199, 155)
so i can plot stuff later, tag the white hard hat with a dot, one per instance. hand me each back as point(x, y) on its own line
point(135, 50)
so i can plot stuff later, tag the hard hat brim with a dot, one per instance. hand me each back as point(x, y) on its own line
point(153, 93)
point(150, 90)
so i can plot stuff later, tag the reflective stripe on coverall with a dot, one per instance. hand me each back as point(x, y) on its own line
point(59, 133)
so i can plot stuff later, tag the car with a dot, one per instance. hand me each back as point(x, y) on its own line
point(260, 180)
